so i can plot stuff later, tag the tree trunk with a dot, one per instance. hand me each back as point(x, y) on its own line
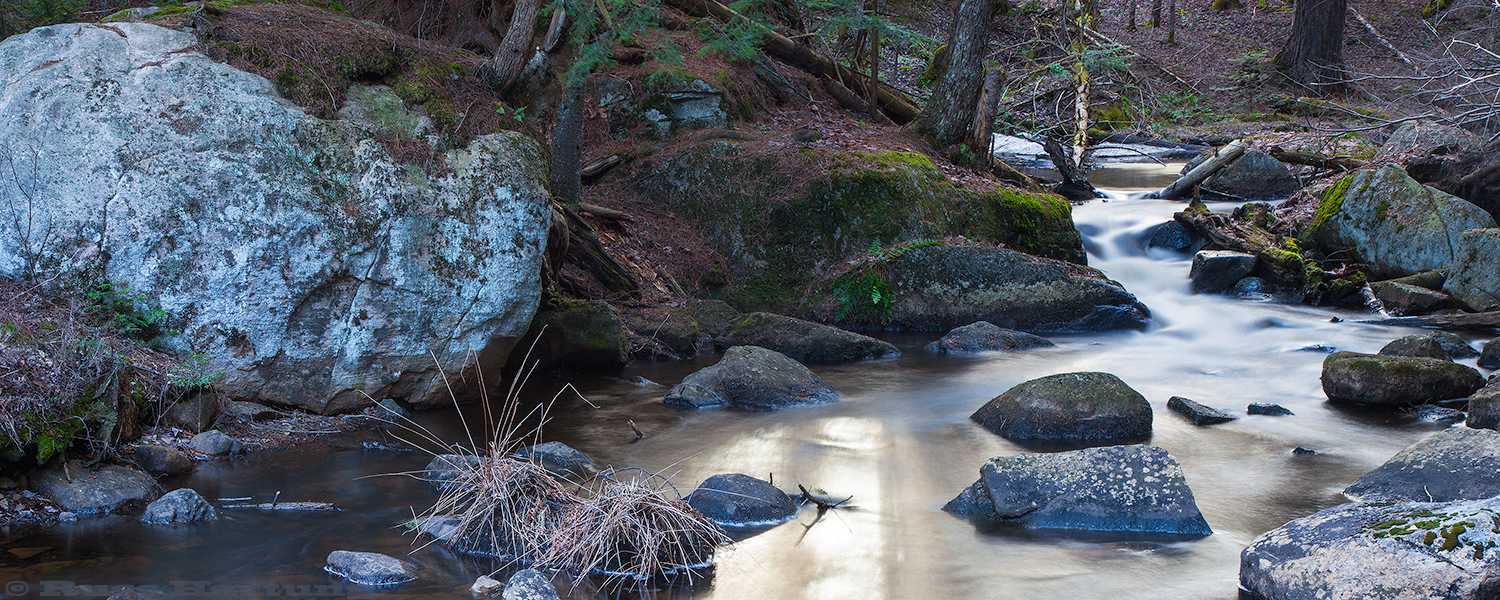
point(945, 120)
point(1130, 23)
point(1172, 23)
point(515, 49)
point(1156, 13)
point(874, 35)
point(982, 129)
point(566, 131)
point(1314, 53)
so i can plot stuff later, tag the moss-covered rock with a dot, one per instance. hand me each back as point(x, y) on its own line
point(1396, 380)
point(806, 341)
point(584, 334)
point(1069, 406)
point(674, 328)
point(1475, 278)
point(785, 220)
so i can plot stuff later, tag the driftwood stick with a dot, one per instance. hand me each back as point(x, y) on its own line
point(1384, 42)
point(604, 213)
point(1187, 182)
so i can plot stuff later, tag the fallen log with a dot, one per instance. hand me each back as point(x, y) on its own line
point(1333, 163)
point(600, 167)
point(1484, 321)
point(299, 506)
point(604, 213)
point(1186, 183)
point(1075, 185)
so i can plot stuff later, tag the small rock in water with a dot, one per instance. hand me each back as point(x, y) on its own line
point(369, 568)
point(736, 500)
point(214, 443)
point(1172, 236)
point(485, 586)
point(1319, 348)
point(1215, 271)
point(179, 507)
point(1299, 450)
point(1197, 413)
point(1250, 286)
point(1335, 320)
point(1438, 414)
point(984, 336)
point(1273, 410)
point(642, 381)
point(529, 584)
point(67, 516)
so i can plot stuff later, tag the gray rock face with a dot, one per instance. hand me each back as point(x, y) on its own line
point(1455, 346)
point(196, 412)
point(714, 317)
point(296, 252)
point(736, 500)
point(1405, 299)
point(162, 460)
point(1172, 236)
point(1417, 346)
point(986, 337)
point(1116, 488)
point(1254, 176)
point(1474, 280)
point(751, 378)
point(214, 443)
point(559, 458)
point(674, 328)
point(444, 469)
point(1394, 380)
point(1408, 551)
point(1489, 355)
point(1215, 271)
point(806, 341)
point(582, 334)
point(1484, 408)
point(97, 491)
point(1070, 406)
point(369, 568)
point(1458, 463)
point(529, 584)
point(249, 411)
point(1394, 224)
point(937, 288)
point(179, 507)
point(1199, 414)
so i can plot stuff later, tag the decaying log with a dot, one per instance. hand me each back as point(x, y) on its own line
point(600, 167)
point(1011, 174)
point(1186, 183)
point(1484, 321)
point(585, 251)
point(313, 506)
point(555, 30)
point(604, 213)
point(847, 98)
point(1334, 163)
point(1075, 185)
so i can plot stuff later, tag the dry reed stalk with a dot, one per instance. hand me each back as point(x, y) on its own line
point(632, 529)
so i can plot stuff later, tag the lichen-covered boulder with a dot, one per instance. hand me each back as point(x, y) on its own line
point(751, 378)
point(986, 337)
point(1392, 223)
point(1474, 280)
point(1458, 463)
point(806, 341)
point(937, 288)
point(1069, 406)
point(179, 507)
point(1254, 176)
point(580, 334)
point(1407, 551)
point(1138, 489)
point(314, 269)
point(1395, 380)
point(1420, 346)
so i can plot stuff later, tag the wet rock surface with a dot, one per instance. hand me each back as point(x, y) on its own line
point(751, 378)
point(1484, 407)
point(1393, 380)
point(805, 341)
point(1197, 413)
point(94, 491)
point(1459, 463)
point(529, 584)
point(1216, 271)
point(1069, 406)
point(179, 507)
point(369, 568)
point(1418, 346)
point(1402, 299)
point(735, 499)
point(1270, 410)
point(986, 337)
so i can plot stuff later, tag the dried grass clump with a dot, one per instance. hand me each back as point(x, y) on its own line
point(504, 507)
point(632, 529)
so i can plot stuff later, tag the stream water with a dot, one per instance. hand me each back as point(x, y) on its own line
point(900, 443)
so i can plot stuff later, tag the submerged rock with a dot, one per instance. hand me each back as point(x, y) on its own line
point(162, 460)
point(1215, 271)
point(558, 458)
point(986, 337)
point(1418, 346)
point(1393, 380)
point(178, 507)
point(369, 568)
point(737, 500)
point(937, 288)
point(1408, 551)
point(315, 269)
point(94, 491)
point(529, 584)
point(1069, 406)
point(1440, 415)
point(1199, 414)
point(805, 341)
point(1458, 463)
point(1116, 488)
point(751, 378)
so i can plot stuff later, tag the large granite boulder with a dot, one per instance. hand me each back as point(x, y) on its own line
point(1432, 153)
point(751, 378)
point(1396, 380)
point(1458, 463)
point(805, 341)
point(738, 500)
point(314, 269)
point(179, 507)
point(94, 491)
point(1392, 223)
point(937, 288)
point(580, 334)
point(986, 337)
point(1474, 280)
point(1254, 176)
point(1069, 406)
point(1117, 488)
point(1407, 551)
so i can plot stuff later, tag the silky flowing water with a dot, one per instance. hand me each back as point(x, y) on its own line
point(900, 443)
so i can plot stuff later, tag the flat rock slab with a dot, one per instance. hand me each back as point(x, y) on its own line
point(101, 490)
point(1405, 299)
point(369, 568)
point(1135, 488)
point(1396, 380)
point(806, 341)
point(1458, 463)
point(1199, 414)
point(1407, 551)
point(179, 507)
point(751, 378)
point(1215, 271)
point(738, 500)
point(1069, 406)
point(986, 337)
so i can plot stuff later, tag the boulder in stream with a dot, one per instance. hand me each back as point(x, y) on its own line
point(1489, 355)
point(1458, 463)
point(1069, 406)
point(986, 337)
point(1171, 236)
point(1394, 380)
point(1406, 551)
point(1215, 271)
point(1484, 407)
point(1269, 410)
point(163, 460)
point(1474, 280)
point(1401, 299)
point(1199, 414)
point(805, 341)
point(1419, 346)
point(179, 507)
point(369, 568)
point(738, 500)
point(1455, 346)
point(94, 491)
point(529, 584)
point(1138, 489)
point(558, 458)
point(1254, 176)
point(751, 378)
